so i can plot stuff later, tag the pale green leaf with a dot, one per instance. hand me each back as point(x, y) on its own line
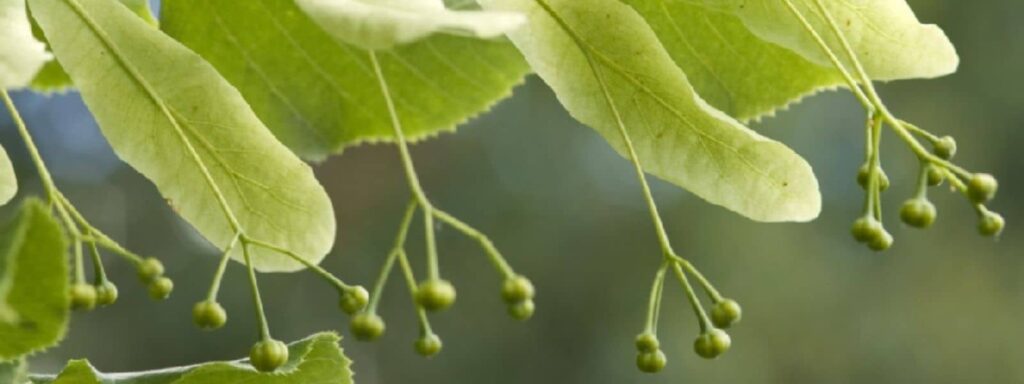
point(886, 35)
point(319, 96)
point(170, 115)
point(678, 136)
point(730, 67)
point(52, 78)
point(8, 179)
point(316, 359)
point(13, 372)
point(383, 24)
point(33, 282)
point(21, 55)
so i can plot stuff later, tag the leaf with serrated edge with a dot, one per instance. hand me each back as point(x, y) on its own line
point(316, 359)
point(21, 55)
point(33, 282)
point(730, 67)
point(8, 179)
point(319, 96)
point(170, 115)
point(677, 135)
point(886, 35)
point(52, 78)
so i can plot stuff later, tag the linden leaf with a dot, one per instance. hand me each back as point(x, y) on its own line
point(383, 24)
point(172, 117)
point(21, 55)
point(678, 136)
point(319, 96)
point(316, 359)
point(8, 180)
point(13, 372)
point(885, 34)
point(730, 67)
point(33, 282)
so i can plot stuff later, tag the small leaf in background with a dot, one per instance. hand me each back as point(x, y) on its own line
point(730, 67)
point(316, 359)
point(383, 24)
point(13, 372)
point(21, 55)
point(889, 40)
point(319, 96)
point(33, 282)
point(678, 136)
point(170, 115)
point(52, 78)
point(8, 179)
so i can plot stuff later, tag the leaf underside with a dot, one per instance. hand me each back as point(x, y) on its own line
point(316, 359)
point(319, 96)
point(8, 179)
point(168, 114)
point(678, 136)
point(33, 282)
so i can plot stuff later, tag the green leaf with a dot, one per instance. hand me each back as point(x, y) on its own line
point(678, 136)
point(33, 282)
point(52, 78)
point(319, 96)
point(383, 24)
point(316, 359)
point(21, 55)
point(886, 35)
point(13, 372)
point(170, 115)
point(730, 67)
point(8, 179)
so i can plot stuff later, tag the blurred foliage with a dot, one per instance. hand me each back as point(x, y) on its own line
point(943, 306)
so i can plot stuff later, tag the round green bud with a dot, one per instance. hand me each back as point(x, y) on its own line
point(945, 147)
point(864, 172)
point(935, 176)
point(160, 288)
point(522, 310)
point(268, 355)
point(725, 313)
point(209, 315)
point(150, 269)
point(918, 212)
point(991, 224)
point(647, 342)
point(354, 300)
point(83, 297)
point(866, 229)
point(651, 362)
point(428, 345)
point(435, 294)
point(712, 344)
point(367, 326)
point(106, 293)
point(517, 288)
point(882, 242)
point(982, 187)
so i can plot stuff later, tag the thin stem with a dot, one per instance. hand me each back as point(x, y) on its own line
point(99, 273)
point(323, 273)
point(261, 317)
point(98, 236)
point(410, 282)
point(698, 310)
point(396, 251)
point(492, 252)
point(30, 144)
point(654, 301)
point(79, 266)
point(433, 272)
point(703, 281)
point(211, 296)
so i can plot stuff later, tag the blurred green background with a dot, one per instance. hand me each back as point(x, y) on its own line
point(943, 306)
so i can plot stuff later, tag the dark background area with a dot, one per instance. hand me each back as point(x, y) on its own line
point(942, 306)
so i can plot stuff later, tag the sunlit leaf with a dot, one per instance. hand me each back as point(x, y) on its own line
point(33, 282)
point(171, 116)
point(8, 179)
point(21, 55)
point(679, 137)
point(316, 359)
point(319, 96)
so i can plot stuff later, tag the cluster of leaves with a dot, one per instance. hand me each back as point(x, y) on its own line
point(220, 104)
